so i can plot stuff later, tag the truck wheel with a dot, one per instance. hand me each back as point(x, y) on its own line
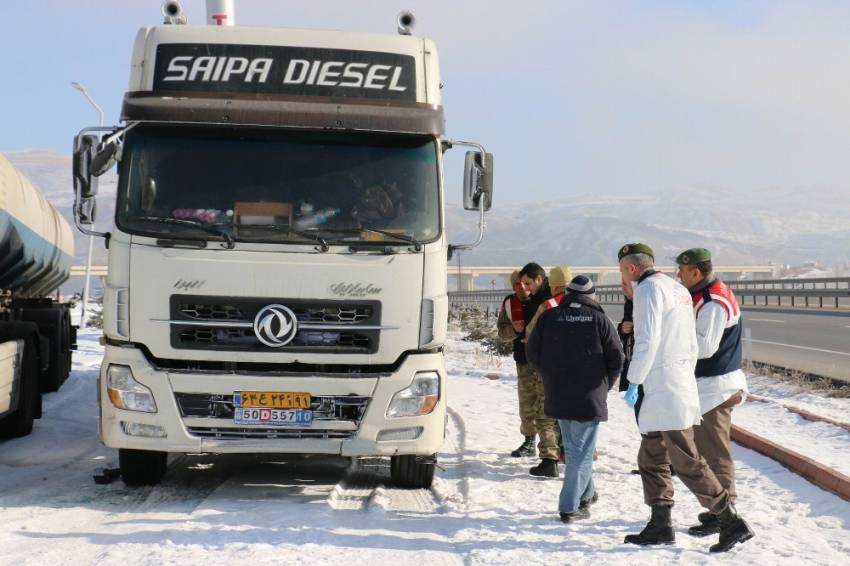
point(19, 423)
point(410, 471)
point(142, 467)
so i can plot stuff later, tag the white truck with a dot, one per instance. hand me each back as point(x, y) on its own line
point(36, 336)
point(278, 263)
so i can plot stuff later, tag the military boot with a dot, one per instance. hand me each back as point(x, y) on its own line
point(546, 468)
point(709, 524)
point(659, 530)
point(733, 529)
point(525, 449)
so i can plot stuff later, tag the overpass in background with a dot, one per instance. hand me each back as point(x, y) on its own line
point(499, 275)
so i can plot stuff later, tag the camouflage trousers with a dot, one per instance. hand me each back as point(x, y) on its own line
point(532, 418)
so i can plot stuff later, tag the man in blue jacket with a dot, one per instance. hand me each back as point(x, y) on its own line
point(576, 349)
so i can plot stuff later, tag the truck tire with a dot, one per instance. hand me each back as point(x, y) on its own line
point(20, 422)
point(142, 467)
point(414, 472)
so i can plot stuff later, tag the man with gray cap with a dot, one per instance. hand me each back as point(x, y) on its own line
point(511, 328)
point(576, 349)
point(663, 362)
point(721, 383)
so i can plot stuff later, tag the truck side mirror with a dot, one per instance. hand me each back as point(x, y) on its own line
point(84, 150)
point(105, 158)
point(87, 210)
point(478, 180)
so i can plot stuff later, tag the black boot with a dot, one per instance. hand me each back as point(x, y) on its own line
point(588, 502)
point(733, 529)
point(709, 524)
point(581, 513)
point(659, 530)
point(525, 449)
point(546, 468)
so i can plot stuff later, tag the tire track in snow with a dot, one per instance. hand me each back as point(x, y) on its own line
point(454, 460)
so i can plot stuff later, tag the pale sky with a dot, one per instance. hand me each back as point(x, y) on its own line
point(571, 97)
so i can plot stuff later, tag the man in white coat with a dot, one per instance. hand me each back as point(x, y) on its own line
point(721, 382)
point(664, 358)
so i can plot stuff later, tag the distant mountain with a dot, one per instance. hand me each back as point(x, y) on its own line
point(779, 226)
point(759, 227)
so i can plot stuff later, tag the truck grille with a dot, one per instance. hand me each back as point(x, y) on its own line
point(325, 407)
point(224, 337)
point(337, 313)
point(324, 326)
point(273, 433)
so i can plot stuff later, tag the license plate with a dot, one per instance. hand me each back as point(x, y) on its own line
point(271, 400)
point(272, 417)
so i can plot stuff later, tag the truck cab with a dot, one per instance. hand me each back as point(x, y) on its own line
point(277, 266)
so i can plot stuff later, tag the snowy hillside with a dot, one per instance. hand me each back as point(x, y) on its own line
point(755, 228)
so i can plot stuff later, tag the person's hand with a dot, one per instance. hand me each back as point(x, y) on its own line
point(519, 326)
point(631, 395)
point(627, 326)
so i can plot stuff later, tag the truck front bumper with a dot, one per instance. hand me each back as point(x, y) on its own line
point(373, 435)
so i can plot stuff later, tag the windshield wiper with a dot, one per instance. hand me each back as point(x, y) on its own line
point(323, 244)
point(228, 238)
point(417, 245)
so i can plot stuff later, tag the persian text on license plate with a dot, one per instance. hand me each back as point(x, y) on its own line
point(271, 399)
point(272, 417)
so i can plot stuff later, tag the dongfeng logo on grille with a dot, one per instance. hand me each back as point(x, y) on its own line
point(275, 325)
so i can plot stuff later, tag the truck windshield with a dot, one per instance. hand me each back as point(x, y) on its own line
point(279, 186)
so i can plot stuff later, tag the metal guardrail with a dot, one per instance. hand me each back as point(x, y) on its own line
point(763, 292)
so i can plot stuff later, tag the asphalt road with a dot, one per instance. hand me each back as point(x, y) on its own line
point(815, 342)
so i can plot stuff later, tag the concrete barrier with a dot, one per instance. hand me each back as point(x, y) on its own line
point(820, 475)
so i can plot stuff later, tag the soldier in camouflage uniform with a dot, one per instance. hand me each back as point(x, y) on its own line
point(534, 278)
point(511, 329)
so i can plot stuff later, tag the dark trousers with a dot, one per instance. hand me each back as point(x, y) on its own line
point(658, 450)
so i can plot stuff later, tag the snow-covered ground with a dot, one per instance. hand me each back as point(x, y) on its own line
point(483, 509)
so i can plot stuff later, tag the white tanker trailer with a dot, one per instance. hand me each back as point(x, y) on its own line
point(36, 336)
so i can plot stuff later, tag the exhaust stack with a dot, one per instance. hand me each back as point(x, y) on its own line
point(220, 13)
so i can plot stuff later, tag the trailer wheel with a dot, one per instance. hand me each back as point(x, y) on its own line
point(416, 472)
point(20, 422)
point(142, 467)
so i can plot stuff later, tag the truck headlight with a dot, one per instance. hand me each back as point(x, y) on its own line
point(419, 398)
point(127, 393)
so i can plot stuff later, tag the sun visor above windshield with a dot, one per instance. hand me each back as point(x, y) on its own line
point(319, 115)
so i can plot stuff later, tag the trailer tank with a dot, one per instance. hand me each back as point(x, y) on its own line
point(36, 243)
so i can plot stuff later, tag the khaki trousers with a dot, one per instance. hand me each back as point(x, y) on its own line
point(658, 450)
point(714, 443)
point(532, 418)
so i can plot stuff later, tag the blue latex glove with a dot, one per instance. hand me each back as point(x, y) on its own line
point(631, 395)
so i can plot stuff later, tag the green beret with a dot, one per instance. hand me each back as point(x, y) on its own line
point(693, 256)
point(630, 249)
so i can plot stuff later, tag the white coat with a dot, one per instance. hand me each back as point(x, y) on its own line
point(665, 355)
